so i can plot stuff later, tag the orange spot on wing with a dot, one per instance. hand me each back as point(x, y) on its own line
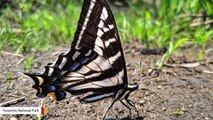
point(52, 95)
point(41, 80)
point(40, 90)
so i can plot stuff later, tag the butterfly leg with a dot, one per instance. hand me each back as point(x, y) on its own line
point(133, 105)
point(127, 106)
point(129, 103)
point(109, 108)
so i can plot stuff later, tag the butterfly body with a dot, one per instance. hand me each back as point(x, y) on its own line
point(93, 66)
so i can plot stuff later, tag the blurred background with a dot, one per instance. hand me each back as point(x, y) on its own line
point(38, 25)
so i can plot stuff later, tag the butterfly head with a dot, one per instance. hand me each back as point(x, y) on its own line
point(132, 87)
point(45, 86)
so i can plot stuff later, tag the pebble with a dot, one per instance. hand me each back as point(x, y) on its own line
point(143, 87)
point(141, 102)
point(159, 86)
point(190, 105)
point(164, 108)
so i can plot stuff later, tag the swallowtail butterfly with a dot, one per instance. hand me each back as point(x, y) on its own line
point(94, 65)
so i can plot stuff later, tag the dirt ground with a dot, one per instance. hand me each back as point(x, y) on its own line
point(183, 90)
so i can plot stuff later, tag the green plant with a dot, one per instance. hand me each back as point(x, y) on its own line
point(180, 111)
point(9, 76)
point(28, 62)
point(201, 37)
point(172, 48)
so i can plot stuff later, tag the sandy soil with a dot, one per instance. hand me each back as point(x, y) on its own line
point(179, 92)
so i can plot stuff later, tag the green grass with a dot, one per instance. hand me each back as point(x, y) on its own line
point(46, 27)
point(40, 25)
point(180, 111)
point(28, 62)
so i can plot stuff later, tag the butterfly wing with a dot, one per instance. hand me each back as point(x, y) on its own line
point(97, 30)
point(95, 62)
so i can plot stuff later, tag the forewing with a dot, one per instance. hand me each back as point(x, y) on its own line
point(97, 30)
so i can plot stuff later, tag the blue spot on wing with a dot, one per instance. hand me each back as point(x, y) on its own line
point(80, 61)
point(60, 95)
point(74, 66)
point(93, 55)
point(52, 79)
point(85, 60)
point(52, 88)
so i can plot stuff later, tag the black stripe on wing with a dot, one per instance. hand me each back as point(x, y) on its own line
point(96, 96)
point(96, 74)
point(87, 8)
point(98, 31)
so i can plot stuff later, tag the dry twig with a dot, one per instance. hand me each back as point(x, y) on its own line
point(12, 102)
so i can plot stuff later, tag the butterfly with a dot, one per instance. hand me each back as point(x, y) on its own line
point(94, 65)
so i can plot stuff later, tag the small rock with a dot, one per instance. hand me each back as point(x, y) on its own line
point(190, 105)
point(136, 53)
point(206, 118)
point(159, 86)
point(141, 102)
point(143, 87)
point(164, 108)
